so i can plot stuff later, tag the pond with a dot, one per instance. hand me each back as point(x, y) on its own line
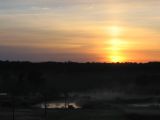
point(59, 105)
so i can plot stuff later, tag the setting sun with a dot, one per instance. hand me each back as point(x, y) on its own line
point(116, 58)
point(115, 44)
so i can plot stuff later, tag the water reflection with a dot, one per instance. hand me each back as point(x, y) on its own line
point(60, 105)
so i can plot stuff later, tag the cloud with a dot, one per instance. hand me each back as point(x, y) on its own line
point(76, 25)
point(27, 54)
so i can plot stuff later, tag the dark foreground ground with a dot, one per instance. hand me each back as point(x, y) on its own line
point(38, 114)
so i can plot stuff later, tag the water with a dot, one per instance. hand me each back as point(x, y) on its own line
point(60, 105)
point(146, 105)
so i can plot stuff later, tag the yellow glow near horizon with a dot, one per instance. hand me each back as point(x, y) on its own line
point(116, 44)
point(116, 58)
point(115, 53)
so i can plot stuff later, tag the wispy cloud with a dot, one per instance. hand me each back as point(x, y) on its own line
point(78, 25)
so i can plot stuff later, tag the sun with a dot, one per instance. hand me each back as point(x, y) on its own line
point(116, 58)
point(116, 44)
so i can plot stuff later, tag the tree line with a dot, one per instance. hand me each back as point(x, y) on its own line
point(57, 78)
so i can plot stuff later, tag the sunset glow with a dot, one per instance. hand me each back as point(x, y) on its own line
point(114, 31)
point(117, 58)
point(116, 45)
point(116, 54)
point(80, 30)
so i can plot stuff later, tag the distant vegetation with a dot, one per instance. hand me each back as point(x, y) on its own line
point(55, 78)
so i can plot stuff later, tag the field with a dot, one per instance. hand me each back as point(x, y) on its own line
point(38, 114)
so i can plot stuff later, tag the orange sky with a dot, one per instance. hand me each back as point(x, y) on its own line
point(80, 30)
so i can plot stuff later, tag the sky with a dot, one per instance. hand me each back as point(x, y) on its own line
point(80, 30)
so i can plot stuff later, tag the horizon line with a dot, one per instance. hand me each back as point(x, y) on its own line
point(69, 61)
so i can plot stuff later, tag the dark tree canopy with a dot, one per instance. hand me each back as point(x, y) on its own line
point(55, 78)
